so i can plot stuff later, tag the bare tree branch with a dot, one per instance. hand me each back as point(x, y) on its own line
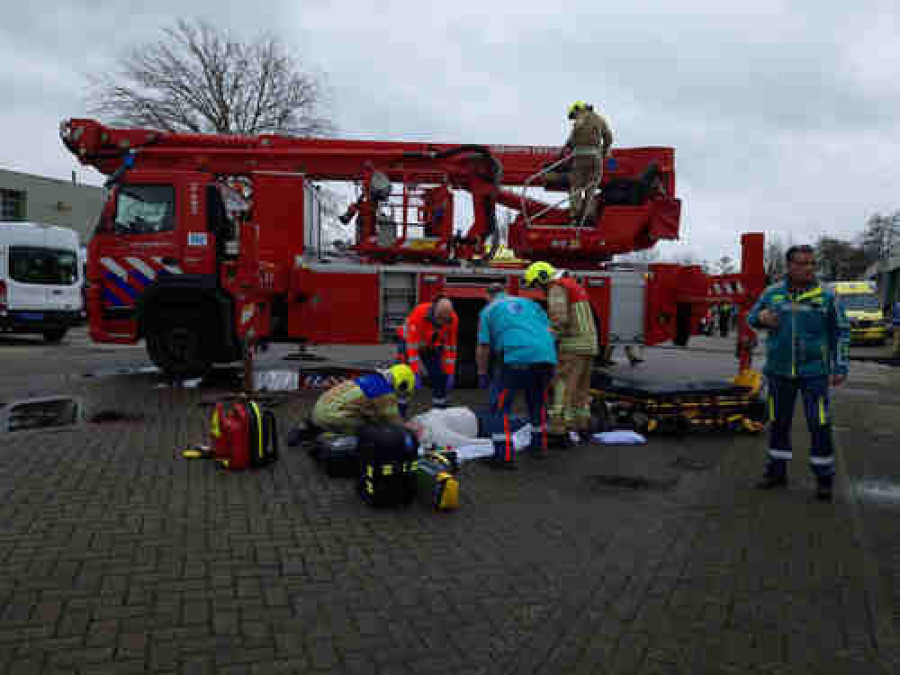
point(198, 78)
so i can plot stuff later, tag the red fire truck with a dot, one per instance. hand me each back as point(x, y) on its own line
point(209, 243)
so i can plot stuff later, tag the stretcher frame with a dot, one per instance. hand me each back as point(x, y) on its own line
point(679, 408)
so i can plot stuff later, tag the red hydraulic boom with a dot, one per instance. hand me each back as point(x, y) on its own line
point(643, 179)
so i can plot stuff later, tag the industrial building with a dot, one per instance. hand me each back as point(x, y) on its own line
point(890, 278)
point(39, 199)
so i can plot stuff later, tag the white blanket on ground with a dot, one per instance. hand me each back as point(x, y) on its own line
point(457, 429)
point(621, 437)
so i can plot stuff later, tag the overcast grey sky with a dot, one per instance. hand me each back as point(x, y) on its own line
point(783, 114)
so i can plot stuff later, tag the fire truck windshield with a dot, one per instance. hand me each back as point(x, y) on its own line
point(145, 209)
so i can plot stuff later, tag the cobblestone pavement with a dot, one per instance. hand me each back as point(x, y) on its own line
point(117, 556)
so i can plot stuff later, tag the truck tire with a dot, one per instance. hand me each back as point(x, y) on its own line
point(54, 336)
point(178, 348)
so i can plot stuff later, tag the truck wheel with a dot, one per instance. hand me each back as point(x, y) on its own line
point(178, 349)
point(54, 336)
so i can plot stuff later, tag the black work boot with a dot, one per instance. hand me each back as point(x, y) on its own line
point(824, 492)
point(770, 481)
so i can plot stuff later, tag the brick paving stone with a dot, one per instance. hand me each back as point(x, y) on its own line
point(115, 668)
point(31, 666)
point(118, 555)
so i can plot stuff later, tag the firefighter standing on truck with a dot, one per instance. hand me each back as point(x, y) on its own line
point(371, 399)
point(572, 322)
point(807, 349)
point(428, 338)
point(589, 142)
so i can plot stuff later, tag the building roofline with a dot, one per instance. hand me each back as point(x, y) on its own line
point(47, 179)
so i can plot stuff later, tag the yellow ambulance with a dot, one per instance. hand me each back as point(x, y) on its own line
point(863, 308)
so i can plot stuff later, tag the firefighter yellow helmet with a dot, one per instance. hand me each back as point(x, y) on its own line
point(575, 108)
point(402, 378)
point(540, 273)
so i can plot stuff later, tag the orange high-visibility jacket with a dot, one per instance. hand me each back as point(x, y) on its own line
point(418, 332)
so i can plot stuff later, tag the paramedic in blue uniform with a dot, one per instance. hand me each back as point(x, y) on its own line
point(495, 291)
point(519, 330)
point(807, 350)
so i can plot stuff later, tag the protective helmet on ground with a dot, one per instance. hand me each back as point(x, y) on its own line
point(539, 273)
point(403, 378)
point(575, 108)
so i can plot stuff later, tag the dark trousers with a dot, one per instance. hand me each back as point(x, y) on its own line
point(496, 381)
point(534, 381)
point(432, 360)
point(782, 396)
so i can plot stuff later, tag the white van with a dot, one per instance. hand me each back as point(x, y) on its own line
point(40, 279)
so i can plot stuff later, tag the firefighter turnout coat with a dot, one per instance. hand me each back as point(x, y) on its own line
point(571, 317)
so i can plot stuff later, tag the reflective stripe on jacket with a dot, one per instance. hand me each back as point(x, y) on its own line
point(571, 317)
point(346, 406)
point(590, 133)
point(813, 334)
point(419, 333)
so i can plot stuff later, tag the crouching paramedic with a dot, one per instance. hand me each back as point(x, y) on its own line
point(807, 349)
point(428, 340)
point(572, 322)
point(518, 331)
point(371, 399)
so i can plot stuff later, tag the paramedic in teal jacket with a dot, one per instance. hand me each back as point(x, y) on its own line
point(807, 350)
point(519, 330)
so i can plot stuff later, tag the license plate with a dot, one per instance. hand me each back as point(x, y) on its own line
point(32, 316)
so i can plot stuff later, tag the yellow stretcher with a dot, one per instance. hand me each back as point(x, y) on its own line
point(679, 407)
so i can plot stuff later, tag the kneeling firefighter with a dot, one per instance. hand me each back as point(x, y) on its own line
point(572, 322)
point(428, 338)
point(368, 400)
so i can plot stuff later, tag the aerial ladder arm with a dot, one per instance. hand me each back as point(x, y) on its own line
point(480, 170)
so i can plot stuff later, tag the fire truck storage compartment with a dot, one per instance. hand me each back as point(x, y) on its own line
point(334, 306)
point(626, 308)
point(281, 212)
point(398, 299)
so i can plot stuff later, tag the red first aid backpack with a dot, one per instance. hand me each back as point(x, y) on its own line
point(242, 435)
